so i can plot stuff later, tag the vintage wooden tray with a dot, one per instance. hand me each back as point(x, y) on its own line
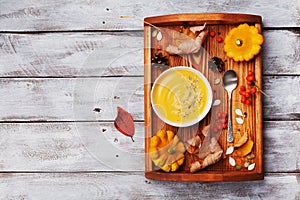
point(221, 24)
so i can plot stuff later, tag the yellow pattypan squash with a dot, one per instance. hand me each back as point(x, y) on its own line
point(166, 150)
point(243, 43)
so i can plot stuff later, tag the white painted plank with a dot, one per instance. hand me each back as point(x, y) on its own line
point(135, 186)
point(69, 99)
point(71, 54)
point(69, 147)
point(113, 54)
point(285, 98)
point(88, 146)
point(281, 52)
point(105, 14)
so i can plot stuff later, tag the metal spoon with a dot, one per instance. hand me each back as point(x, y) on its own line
point(230, 82)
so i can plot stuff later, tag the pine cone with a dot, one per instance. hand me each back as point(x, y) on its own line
point(159, 61)
point(216, 64)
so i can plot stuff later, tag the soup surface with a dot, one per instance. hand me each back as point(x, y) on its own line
point(180, 96)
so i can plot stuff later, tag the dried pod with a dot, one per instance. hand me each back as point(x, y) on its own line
point(251, 167)
point(217, 81)
point(229, 150)
point(246, 164)
point(238, 167)
point(124, 123)
point(232, 161)
point(251, 156)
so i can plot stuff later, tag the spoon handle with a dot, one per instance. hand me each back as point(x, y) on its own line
point(229, 130)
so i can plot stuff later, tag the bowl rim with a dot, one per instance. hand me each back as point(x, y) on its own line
point(209, 101)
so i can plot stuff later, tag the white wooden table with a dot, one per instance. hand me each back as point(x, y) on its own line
point(61, 59)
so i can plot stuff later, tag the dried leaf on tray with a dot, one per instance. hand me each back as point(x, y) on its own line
point(199, 156)
point(192, 43)
point(240, 139)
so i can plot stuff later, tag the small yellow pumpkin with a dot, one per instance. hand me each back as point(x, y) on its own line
point(243, 43)
point(166, 151)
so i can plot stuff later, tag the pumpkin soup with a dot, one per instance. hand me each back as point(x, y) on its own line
point(180, 96)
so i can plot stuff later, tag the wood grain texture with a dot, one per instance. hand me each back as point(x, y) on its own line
point(55, 15)
point(78, 54)
point(69, 99)
point(208, 18)
point(220, 171)
point(135, 186)
point(76, 147)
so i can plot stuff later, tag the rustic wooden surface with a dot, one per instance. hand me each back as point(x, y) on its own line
point(60, 60)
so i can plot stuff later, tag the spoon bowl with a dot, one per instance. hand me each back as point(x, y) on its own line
point(229, 82)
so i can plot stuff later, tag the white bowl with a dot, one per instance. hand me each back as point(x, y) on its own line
point(162, 78)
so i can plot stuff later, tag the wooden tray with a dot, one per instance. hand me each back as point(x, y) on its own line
point(222, 24)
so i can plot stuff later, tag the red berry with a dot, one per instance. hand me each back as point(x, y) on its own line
point(249, 82)
point(224, 115)
point(253, 90)
point(224, 126)
point(248, 90)
point(212, 34)
point(250, 73)
point(224, 121)
point(243, 100)
point(250, 78)
point(215, 129)
point(247, 94)
point(158, 47)
point(248, 102)
point(219, 39)
point(241, 92)
point(220, 126)
point(242, 88)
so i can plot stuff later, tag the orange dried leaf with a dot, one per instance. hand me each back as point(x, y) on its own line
point(240, 140)
point(247, 147)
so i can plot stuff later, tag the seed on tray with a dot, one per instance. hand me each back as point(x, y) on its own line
point(239, 120)
point(229, 150)
point(251, 156)
point(154, 33)
point(159, 36)
point(239, 112)
point(251, 167)
point(238, 167)
point(231, 161)
point(217, 81)
point(217, 102)
point(246, 164)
